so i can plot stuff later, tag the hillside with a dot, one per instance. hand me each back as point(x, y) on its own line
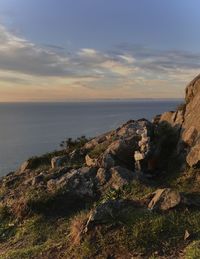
point(133, 192)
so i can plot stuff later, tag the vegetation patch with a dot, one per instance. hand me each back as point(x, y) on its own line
point(192, 251)
point(98, 149)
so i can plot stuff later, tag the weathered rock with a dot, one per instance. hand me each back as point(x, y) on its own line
point(119, 177)
point(190, 123)
point(193, 156)
point(80, 182)
point(90, 162)
point(25, 166)
point(121, 152)
point(95, 141)
point(109, 211)
point(138, 156)
point(38, 179)
point(102, 176)
point(164, 199)
point(190, 135)
point(58, 161)
point(106, 160)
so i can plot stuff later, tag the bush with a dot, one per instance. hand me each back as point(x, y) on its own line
point(70, 144)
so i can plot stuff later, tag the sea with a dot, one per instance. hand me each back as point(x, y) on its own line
point(29, 129)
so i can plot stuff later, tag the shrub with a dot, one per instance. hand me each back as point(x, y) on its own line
point(70, 144)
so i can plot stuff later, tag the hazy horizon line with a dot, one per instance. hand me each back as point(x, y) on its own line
point(95, 100)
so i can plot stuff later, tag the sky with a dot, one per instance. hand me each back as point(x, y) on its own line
point(97, 49)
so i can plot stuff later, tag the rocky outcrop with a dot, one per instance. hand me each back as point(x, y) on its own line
point(191, 126)
point(109, 184)
point(186, 121)
point(75, 182)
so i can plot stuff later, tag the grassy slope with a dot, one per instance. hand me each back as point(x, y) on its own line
point(136, 233)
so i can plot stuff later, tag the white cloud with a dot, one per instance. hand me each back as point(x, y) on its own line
point(29, 69)
point(129, 59)
point(88, 52)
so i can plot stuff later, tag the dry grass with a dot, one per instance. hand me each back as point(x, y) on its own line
point(77, 226)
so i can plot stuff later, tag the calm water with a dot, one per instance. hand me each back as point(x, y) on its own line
point(33, 129)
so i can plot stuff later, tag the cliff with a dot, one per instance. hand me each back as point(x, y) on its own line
point(129, 193)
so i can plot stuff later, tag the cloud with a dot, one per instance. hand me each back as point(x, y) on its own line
point(125, 71)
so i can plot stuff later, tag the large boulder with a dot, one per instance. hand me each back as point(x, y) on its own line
point(108, 211)
point(122, 152)
point(114, 178)
point(78, 182)
point(119, 177)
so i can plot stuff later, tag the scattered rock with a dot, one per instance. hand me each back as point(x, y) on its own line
point(164, 199)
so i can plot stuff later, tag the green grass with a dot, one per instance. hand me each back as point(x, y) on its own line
point(24, 253)
point(187, 181)
point(134, 190)
point(147, 232)
point(192, 251)
point(7, 225)
point(37, 235)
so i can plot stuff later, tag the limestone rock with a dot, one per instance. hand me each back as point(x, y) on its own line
point(25, 166)
point(164, 199)
point(191, 124)
point(102, 176)
point(89, 161)
point(119, 177)
point(78, 182)
point(58, 161)
point(106, 160)
point(193, 156)
point(37, 179)
point(121, 152)
point(108, 211)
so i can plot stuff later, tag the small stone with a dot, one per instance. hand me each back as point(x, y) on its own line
point(187, 235)
point(138, 156)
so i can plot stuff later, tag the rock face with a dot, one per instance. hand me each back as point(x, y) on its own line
point(187, 123)
point(191, 125)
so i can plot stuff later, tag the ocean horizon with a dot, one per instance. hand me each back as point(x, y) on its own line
point(30, 129)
